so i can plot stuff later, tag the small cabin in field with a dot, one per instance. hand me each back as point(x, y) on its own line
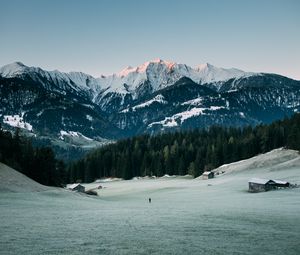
point(281, 184)
point(259, 185)
point(77, 187)
point(208, 175)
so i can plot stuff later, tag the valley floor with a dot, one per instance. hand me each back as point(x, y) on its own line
point(186, 216)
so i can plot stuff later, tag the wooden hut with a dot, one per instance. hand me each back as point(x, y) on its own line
point(76, 187)
point(207, 175)
point(281, 184)
point(259, 185)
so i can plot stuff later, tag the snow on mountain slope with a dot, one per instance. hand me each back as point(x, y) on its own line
point(14, 69)
point(160, 74)
point(157, 74)
point(73, 134)
point(183, 116)
point(208, 73)
point(17, 121)
point(75, 80)
point(194, 102)
point(157, 99)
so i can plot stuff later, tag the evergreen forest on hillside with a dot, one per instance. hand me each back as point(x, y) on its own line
point(38, 163)
point(181, 153)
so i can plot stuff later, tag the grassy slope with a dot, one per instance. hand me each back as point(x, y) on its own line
point(185, 217)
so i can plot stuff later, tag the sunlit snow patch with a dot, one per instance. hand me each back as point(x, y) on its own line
point(17, 121)
point(89, 117)
point(72, 134)
point(194, 102)
point(157, 99)
point(182, 116)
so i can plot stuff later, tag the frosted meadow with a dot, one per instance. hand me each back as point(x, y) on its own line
point(186, 216)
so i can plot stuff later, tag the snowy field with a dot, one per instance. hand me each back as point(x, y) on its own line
point(186, 216)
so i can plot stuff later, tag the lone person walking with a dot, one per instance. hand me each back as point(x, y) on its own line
point(149, 199)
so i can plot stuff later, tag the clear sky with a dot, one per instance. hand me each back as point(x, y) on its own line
point(104, 36)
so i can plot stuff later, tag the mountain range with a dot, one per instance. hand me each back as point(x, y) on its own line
point(76, 109)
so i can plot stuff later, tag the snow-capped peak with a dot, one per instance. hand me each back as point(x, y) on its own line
point(144, 67)
point(12, 69)
point(209, 73)
point(162, 62)
point(202, 67)
point(77, 81)
point(160, 73)
point(157, 73)
point(126, 71)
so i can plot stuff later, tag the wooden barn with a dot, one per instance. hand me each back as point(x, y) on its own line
point(208, 175)
point(259, 185)
point(281, 184)
point(77, 187)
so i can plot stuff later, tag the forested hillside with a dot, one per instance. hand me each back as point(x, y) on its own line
point(38, 163)
point(180, 153)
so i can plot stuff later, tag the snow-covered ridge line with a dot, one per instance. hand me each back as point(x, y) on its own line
point(158, 73)
point(162, 73)
point(75, 80)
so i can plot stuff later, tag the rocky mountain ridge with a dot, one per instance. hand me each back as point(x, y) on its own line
point(157, 96)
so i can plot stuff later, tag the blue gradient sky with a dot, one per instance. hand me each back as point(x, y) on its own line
point(102, 37)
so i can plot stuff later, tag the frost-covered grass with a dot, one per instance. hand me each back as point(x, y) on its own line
point(186, 216)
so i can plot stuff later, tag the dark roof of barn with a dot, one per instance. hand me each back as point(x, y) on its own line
point(260, 181)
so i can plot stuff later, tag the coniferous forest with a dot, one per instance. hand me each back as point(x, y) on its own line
point(190, 152)
point(38, 163)
point(180, 153)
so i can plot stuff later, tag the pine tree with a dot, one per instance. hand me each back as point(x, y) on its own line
point(192, 169)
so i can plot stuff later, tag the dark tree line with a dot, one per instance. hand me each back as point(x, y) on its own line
point(38, 163)
point(180, 153)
